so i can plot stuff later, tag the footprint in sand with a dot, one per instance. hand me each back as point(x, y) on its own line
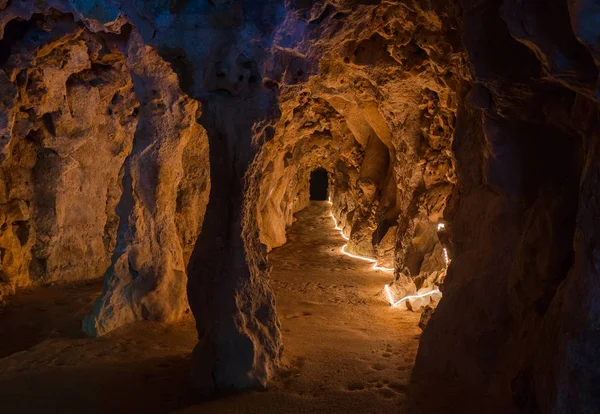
point(297, 315)
point(386, 393)
point(399, 388)
point(378, 366)
point(355, 386)
point(291, 371)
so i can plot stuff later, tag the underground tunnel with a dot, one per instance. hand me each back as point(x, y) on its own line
point(319, 184)
point(284, 206)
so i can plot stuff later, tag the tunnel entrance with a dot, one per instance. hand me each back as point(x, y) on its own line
point(319, 182)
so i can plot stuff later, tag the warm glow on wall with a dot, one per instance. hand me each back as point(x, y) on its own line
point(387, 290)
point(366, 259)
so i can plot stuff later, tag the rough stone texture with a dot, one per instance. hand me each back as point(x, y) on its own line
point(377, 117)
point(61, 125)
point(102, 162)
point(165, 177)
point(166, 185)
point(481, 114)
point(217, 61)
point(523, 268)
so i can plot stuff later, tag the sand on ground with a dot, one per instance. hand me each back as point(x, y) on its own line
point(345, 349)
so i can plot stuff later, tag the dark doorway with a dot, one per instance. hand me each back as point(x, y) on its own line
point(318, 184)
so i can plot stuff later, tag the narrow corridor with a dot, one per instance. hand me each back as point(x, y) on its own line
point(344, 345)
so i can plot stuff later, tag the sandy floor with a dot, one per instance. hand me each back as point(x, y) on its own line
point(346, 350)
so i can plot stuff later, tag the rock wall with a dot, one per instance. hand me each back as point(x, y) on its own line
point(377, 112)
point(218, 50)
point(157, 208)
point(104, 168)
point(68, 114)
point(524, 273)
point(374, 103)
point(166, 187)
point(482, 115)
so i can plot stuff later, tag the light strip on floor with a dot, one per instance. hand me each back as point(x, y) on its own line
point(338, 228)
point(387, 290)
point(366, 259)
point(388, 293)
point(385, 269)
point(390, 298)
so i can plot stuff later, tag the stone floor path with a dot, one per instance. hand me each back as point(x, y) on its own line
point(346, 349)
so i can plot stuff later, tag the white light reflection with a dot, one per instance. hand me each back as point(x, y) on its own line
point(388, 292)
point(366, 259)
point(442, 226)
point(338, 228)
point(384, 269)
point(390, 298)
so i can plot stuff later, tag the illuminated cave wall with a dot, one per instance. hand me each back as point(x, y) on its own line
point(520, 311)
point(104, 168)
point(482, 114)
point(68, 114)
point(373, 102)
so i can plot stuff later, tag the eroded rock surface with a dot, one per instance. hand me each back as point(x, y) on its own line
point(104, 167)
point(373, 102)
point(523, 275)
point(166, 185)
point(479, 115)
point(69, 119)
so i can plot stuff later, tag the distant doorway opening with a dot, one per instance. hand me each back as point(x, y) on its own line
point(318, 184)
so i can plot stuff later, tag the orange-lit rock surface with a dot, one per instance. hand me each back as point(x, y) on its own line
point(69, 127)
point(359, 359)
point(167, 145)
point(104, 170)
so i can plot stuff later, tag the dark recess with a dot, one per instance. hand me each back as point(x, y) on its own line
point(318, 185)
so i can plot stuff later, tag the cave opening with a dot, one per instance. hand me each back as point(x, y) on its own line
point(319, 185)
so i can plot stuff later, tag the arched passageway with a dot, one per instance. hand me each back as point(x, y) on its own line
point(344, 345)
point(319, 183)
